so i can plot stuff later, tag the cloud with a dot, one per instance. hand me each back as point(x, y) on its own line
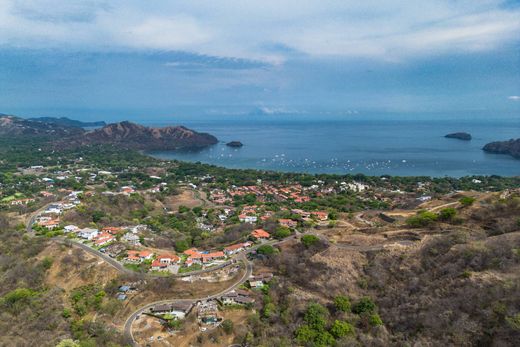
point(270, 31)
point(514, 97)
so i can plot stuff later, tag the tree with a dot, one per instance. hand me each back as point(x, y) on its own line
point(342, 303)
point(266, 250)
point(228, 327)
point(282, 232)
point(341, 328)
point(67, 343)
point(365, 304)
point(316, 316)
point(309, 240)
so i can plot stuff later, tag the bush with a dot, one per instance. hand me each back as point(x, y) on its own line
point(340, 329)
point(422, 219)
point(365, 304)
point(467, 201)
point(310, 240)
point(315, 316)
point(375, 320)
point(342, 303)
point(266, 250)
point(447, 214)
point(282, 232)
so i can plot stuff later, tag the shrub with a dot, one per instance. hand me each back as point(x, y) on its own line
point(282, 232)
point(375, 320)
point(341, 328)
point(305, 334)
point(467, 201)
point(309, 240)
point(365, 304)
point(266, 250)
point(422, 219)
point(342, 303)
point(315, 316)
point(447, 214)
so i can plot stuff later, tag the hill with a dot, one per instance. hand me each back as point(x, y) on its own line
point(15, 126)
point(68, 122)
point(130, 135)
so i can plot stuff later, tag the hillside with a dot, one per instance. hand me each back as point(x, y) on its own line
point(15, 126)
point(68, 122)
point(135, 136)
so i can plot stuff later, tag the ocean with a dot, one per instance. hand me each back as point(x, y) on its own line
point(372, 147)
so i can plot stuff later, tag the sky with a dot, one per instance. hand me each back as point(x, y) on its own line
point(129, 59)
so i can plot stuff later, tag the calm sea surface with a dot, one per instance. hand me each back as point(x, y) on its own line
point(372, 147)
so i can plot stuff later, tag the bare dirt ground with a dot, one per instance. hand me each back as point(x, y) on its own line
point(187, 198)
point(72, 268)
point(149, 331)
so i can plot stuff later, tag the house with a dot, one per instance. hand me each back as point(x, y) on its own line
point(209, 257)
point(112, 230)
point(258, 281)
point(288, 223)
point(103, 239)
point(127, 190)
point(70, 228)
point(237, 297)
point(239, 247)
point(158, 266)
point(260, 234)
point(88, 233)
point(168, 259)
point(132, 239)
point(247, 219)
point(50, 224)
point(21, 202)
point(320, 215)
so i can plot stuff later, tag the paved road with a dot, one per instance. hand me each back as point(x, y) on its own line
point(130, 320)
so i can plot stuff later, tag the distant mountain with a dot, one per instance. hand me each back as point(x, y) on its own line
point(124, 134)
point(16, 126)
point(511, 147)
point(135, 136)
point(68, 122)
point(459, 136)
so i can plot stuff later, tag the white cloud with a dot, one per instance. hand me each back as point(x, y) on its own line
point(514, 97)
point(390, 30)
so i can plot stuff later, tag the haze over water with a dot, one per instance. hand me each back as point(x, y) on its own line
point(372, 147)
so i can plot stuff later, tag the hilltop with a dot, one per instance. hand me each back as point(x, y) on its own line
point(16, 126)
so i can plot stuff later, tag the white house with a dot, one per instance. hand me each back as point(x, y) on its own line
point(88, 233)
point(70, 228)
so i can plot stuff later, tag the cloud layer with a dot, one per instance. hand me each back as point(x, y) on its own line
point(268, 31)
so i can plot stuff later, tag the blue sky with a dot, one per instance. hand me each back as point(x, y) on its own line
point(125, 59)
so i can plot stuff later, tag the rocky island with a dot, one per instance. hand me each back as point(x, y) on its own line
point(459, 136)
point(511, 147)
point(236, 144)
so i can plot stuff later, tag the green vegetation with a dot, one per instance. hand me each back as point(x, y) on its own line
point(364, 305)
point(467, 201)
point(266, 250)
point(422, 219)
point(342, 303)
point(282, 232)
point(309, 240)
